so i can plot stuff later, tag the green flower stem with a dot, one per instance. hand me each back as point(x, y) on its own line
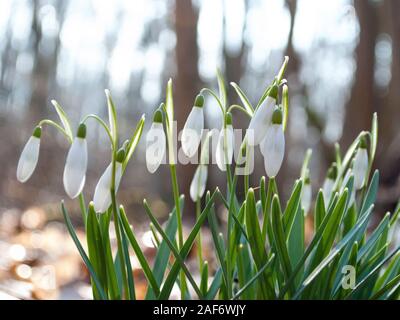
point(117, 228)
point(282, 70)
point(246, 179)
point(175, 189)
point(215, 97)
point(58, 127)
point(102, 123)
point(83, 208)
point(199, 246)
point(229, 231)
point(238, 107)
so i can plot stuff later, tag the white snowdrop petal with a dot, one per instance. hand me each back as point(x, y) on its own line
point(191, 133)
point(75, 168)
point(230, 142)
point(28, 159)
point(224, 150)
point(306, 198)
point(273, 149)
point(360, 168)
point(155, 146)
point(198, 185)
point(260, 122)
point(102, 193)
point(327, 189)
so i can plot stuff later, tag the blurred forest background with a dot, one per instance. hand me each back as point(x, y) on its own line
point(344, 65)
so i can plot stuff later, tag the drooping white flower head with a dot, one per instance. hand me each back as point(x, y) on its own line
point(245, 159)
point(329, 183)
point(273, 145)
point(306, 194)
point(191, 133)
point(76, 164)
point(360, 164)
point(102, 193)
point(261, 119)
point(29, 156)
point(225, 144)
point(198, 185)
point(155, 143)
point(199, 181)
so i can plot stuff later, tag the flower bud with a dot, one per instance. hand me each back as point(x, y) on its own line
point(224, 150)
point(261, 119)
point(29, 156)
point(329, 182)
point(191, 133)
point(102, 193)
point(76, 164)
point(360, 164)
point(198, 185)
point(155, 143)
point(273, 145)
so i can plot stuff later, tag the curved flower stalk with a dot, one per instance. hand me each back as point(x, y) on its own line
point(76, 164)
point(306, 194)
point(273, 145)
point(155, 143)
point(360, 164)
point(29, 156)
point(225, 144)
point(329, 182)
point(262, 117)
point(191, 133)
point(102, 194)
point(199, 181)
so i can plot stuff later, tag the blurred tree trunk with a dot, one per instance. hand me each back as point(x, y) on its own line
point(187, 83)
point(390, 106)
point(363, 99)
point(388, 155)
point(294, 63)
point(45, 62)
point(234, 68)
point(233, 60)
point(296, 91)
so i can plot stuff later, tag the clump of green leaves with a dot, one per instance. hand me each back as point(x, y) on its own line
point(261, 252)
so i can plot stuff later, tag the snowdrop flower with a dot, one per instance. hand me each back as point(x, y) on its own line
point(198, 185)
point(360, 164)
point(224, 151)
point(306, 194)
point(329, 182)
point(245, 159)
point(155, 143)
point(191, 133)
point(273, 145)
point(261, 119)
point(102, 193)
point(29, 156)
point(75, 166)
